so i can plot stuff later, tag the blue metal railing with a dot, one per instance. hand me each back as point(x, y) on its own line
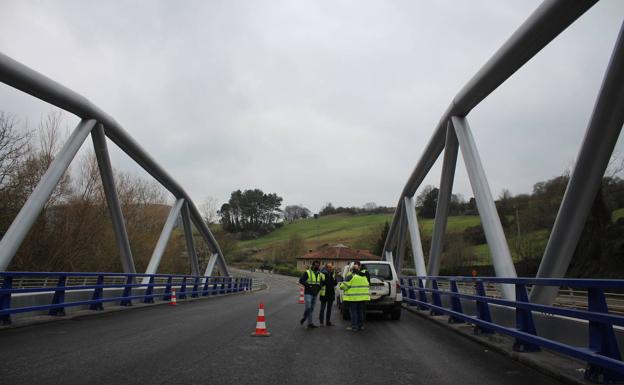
point(601, 353)
point(157, 286)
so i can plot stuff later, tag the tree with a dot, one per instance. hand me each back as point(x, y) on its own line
point(381, 241)
point(328, 209)
point(294, 212)
point(427, 200)
point(13, 147)
point(250, 210)
point(370, 206)
point(208, 209)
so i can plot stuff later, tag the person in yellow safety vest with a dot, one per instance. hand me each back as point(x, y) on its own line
point(356, 294)
point(312, 280)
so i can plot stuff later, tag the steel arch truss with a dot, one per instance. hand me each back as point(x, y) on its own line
point(453, 133)
point(100, 125)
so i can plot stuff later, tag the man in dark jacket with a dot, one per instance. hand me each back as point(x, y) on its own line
point(327, 294)
point(311, 280)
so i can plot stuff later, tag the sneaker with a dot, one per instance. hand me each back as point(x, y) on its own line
point(330, 324)
point(321, 323)
point(302, 321)
point(361, 328)
point(312, 326)
point(351, 329)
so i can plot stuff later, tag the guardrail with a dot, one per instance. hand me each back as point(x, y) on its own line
point(601, 352)
point(96, 285)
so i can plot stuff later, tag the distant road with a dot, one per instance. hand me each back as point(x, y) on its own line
point(208, 342)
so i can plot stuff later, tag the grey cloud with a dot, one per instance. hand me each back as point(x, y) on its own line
point(315, 100)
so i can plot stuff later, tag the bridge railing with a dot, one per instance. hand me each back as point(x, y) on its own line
point(601, 351)
point(92, 290)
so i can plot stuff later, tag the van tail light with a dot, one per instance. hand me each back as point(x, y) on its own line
point(398, 287)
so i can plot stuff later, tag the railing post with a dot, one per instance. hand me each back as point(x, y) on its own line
point(127, 292)
point(59, 297)
point(403, 289)
point(601, 340)
point(182, 294)
point(97, 294)
point(435, 296)
point(195, 288)
point(149, 291)
point(206, 284)
point(422, 295)
point(167, 293)
point(456, 305)
point(483, 309)
point(215, 286)
point(524, 321)
point(5, 300)
point(411, 294)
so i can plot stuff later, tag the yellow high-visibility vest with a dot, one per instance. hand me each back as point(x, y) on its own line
point(314, 278)
point(357, 289)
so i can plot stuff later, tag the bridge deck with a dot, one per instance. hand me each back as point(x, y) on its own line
point(207, 341)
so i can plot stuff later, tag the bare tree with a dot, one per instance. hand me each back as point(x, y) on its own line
point(616, 165)
point(209, 208)
point(369, 206)
point(13, 147)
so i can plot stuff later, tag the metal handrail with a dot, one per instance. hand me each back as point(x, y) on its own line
point(189, 285)
point(601, 354)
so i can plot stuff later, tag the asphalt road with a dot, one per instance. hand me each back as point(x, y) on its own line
point(208, 341)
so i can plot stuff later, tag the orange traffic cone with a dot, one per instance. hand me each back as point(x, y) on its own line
point(301, 300)
point(261, 330)
point(173, 301)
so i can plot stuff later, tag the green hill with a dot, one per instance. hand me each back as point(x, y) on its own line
point(343, 228)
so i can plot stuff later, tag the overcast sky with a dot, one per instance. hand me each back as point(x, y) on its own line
point(318, 101)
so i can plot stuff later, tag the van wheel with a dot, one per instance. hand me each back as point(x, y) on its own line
point(345, 313)
point(395, 315)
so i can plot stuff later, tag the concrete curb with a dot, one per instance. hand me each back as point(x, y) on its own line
point(562, 368)
point(85, 313)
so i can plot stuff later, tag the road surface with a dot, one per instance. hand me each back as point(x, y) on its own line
point(208, 342)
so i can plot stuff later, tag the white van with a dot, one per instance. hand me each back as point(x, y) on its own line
point(385, 289)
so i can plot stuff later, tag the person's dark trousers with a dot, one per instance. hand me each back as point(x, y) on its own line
point(326, 307)
point(356, 309)
point(362, 317)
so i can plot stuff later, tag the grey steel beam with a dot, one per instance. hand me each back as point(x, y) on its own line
point(161, 245)
point(444, 200)
point(190, 244)
point(400, 247)
point(32, 82)
point(600, 138)
point(28, 214)
point(388, 257)
point(112, 200)
point(545, 23)
point(414, 232)
point(538, 30)
point(211, 264)
point(501, 257)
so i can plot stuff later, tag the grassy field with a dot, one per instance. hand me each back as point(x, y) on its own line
point(325, 229)
point(345, 228)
